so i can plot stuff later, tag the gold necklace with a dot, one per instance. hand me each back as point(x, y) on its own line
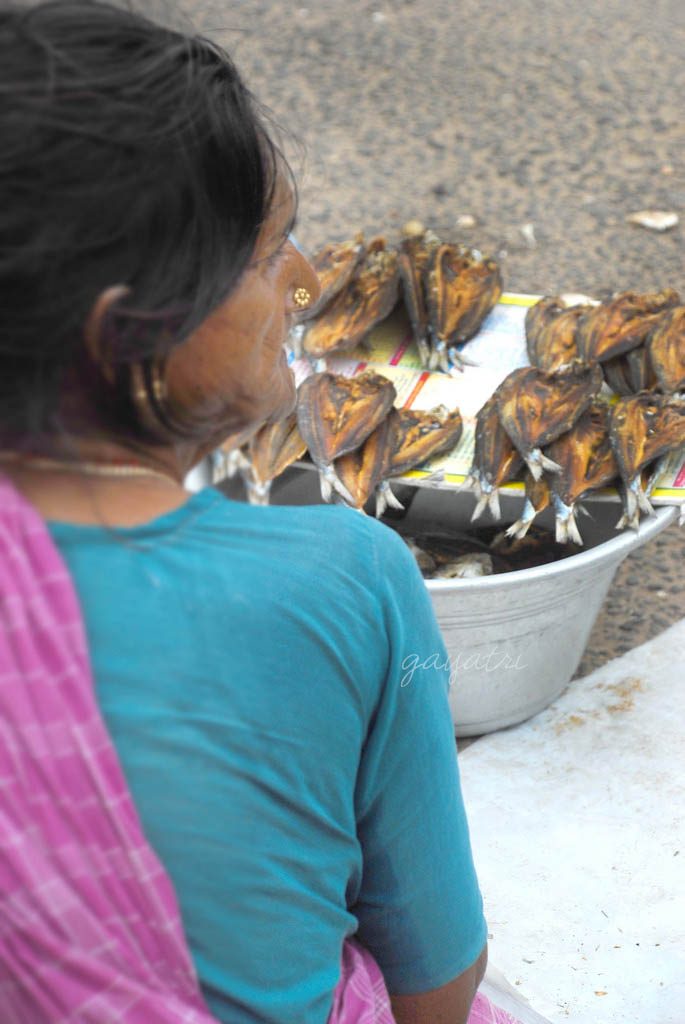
point(86, 468)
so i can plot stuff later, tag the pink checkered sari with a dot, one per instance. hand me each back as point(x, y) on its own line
point(90, 929)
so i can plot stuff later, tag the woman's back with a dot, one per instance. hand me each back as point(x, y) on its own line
point(248, 662)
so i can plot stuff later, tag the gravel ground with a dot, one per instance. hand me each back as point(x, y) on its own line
point(547, 124)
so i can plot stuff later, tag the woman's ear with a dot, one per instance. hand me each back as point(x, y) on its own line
point(92, 329)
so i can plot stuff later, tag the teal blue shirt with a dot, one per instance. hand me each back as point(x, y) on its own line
point(298, 784)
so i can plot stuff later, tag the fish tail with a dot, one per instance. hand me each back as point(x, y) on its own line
point(493, 504)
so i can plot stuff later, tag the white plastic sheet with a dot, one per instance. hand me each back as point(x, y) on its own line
point(577, 826)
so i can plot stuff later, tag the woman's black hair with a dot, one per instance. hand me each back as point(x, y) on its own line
point(129, 153)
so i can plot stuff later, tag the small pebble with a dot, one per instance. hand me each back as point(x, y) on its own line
point(653, 220)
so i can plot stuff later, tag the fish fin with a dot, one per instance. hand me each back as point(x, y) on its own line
point(572, 531)
point(257, 494)
point(443, 358)
point(228, 464)
point(534, 465)
point(519, 529)
point(645, 504)
point(481, 505)
point(339, 487)
point(326, 484)
point(493, 504)
point(549, 464)
point(459, 360)
point(386, 499)
point(631, 513)
point(424, 351)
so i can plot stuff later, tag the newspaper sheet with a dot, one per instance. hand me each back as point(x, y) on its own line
point(498, 348)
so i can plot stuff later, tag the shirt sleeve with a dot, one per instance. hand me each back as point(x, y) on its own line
point(419, 907)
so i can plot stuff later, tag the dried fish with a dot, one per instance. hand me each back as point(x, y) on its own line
point(535, 408)
point(587, 463)
point(424, 560)
point(641, 428)
point(335, 414)
point(368, 298)
point(631, 372)
point(537, 318)
point(551, 333)
point(617, 374)
point(454, 556)
point(640, 369)
point(537, 547)
point(536, 501)
point(477, 563)
point(666, 349)
point(362, 470)
point(620, 324)
point(648, 481)
point(415, 436)
point(461, 288)
point(495, 459)
point(270, 451)
point(335, 266)
point(416, 249)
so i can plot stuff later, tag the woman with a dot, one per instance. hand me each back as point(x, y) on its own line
point(247, 661)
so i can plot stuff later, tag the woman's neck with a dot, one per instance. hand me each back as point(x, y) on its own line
point(99, 481)
point(93, 500)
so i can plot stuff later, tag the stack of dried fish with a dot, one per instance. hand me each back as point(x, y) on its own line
point(448, 291)
point(335, 415)
point(354, 436)
point(358, 440)
point(639, 343)
point(549, 417)
point(529, 410)
point(461, 288)
point(535, 408)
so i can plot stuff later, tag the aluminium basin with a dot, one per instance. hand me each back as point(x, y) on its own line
point(514, 639)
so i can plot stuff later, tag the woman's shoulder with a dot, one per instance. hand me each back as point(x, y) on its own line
point(336, 525)
point(335, 544)
point(338, 548)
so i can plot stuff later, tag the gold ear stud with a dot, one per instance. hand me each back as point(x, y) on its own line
point(302, 298)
